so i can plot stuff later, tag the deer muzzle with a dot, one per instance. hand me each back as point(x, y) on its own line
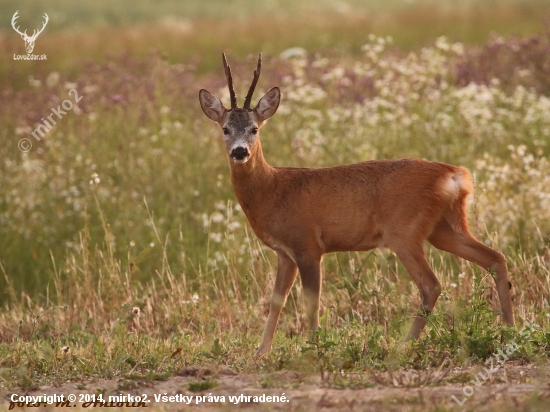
point(240, 154)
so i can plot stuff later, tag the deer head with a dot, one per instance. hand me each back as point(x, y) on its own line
point(240, 126)
point(29, 40)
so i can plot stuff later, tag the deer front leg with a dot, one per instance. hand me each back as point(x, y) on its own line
point(310, 273)
point(286, 274)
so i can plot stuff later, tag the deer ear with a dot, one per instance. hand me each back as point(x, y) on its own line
point(211, 106)
point(267, 106)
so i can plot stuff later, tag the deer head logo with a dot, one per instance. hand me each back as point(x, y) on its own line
point(29, 40)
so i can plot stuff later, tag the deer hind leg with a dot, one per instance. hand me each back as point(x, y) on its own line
point(464, 245)
point(286, 275)
point(418, 268)
point(310, 273)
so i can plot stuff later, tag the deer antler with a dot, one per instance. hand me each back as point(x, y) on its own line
point(35, 33)
point(14, 18)
point(253, 85)
point(229, 82)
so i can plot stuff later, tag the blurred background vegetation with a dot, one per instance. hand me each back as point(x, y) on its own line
point(195, 31)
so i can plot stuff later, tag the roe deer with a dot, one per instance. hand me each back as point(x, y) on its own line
point(303, 213)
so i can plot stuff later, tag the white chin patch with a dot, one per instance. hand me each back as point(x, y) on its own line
point(240, 161)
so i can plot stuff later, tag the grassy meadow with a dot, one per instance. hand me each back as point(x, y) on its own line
point(123, 252)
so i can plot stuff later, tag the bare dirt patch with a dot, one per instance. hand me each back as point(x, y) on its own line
point(512, 387)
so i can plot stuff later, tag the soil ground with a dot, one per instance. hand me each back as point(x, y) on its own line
point(512, 387)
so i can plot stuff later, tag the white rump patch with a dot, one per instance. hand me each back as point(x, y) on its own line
point(452, 185)
point(456, 183)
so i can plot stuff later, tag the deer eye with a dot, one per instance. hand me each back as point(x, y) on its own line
point(225, 131)
point(254, 130)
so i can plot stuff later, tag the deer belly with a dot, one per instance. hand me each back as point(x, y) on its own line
point(358, 237)
point(332, 235)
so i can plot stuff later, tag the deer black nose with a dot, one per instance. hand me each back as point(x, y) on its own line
point(239, 153)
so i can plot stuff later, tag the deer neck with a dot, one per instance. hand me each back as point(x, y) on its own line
point(252, 180)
